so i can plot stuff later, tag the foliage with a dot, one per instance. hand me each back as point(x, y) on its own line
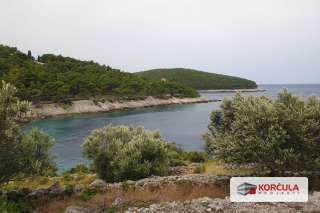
point(12, 149)
point(12, 207)
point(198, 79)
point(80, 168)
point(179, 157)
point(275, 135)
point(69, 190)
point(20, 153)
point(195, 156)
point(37, 146)
point(61, 79)
point(124, 153)
point(88, 193)
point(176, 155)
point(199, 169)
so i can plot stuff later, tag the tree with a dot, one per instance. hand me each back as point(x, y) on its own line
point(37, 146)
point(29, 54)
point(18, 151)
point(61, 79)
point(11, 151)
point(275, 135)
point(121, 153)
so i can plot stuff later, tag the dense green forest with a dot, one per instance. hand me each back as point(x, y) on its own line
point(59, 79)
point(198, 79)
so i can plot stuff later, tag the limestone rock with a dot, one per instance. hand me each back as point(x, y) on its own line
point(98, 184)
point(55, 189)
point(76, 209)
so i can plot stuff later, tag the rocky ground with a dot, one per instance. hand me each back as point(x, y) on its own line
point(215, 205)
point(179, 193)
point(224, 205)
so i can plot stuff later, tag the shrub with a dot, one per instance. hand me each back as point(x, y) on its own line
point(37, 145)
point(69, 190)
point(87, 194)
point(13, 207)
point(175, 153)
point(20, 153)
point(199, 169)
point(275, 135)
point(80, 168)
point(125, 186)
point(121, 153)
point(195, 156)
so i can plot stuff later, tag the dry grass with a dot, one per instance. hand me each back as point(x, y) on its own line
point(217, 168)
point(45, 182)
point(133, 196)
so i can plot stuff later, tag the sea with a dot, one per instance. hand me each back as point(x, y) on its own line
point(182, 124)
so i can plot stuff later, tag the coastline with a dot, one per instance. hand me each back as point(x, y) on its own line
point(232, 90)
point(89, 106)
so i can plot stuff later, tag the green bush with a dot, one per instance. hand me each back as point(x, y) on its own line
point(20, 153)
point(69, 190)
point(37, 147)
point(88, 193)
point(13, 207)
point(80, 168)
point(277, 136)
point(176, 155)
point(195, 156)
point(124, 153)
point(199, 169)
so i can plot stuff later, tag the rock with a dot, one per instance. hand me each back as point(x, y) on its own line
point(78, 188)
point(55, 189)
point(15, 195)
point(76, 209)
point(101, 208)
point(98, 184)
point(130, 182)
point(178, 170)
point(224, 205)
point(37, 193)
point(118, 201)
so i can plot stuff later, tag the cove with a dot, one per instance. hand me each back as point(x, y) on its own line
point(182, 124)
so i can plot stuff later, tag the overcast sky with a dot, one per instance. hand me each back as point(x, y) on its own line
point(269, 41)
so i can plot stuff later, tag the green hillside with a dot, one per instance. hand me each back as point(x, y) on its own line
point(57, 78)
point(198, 79)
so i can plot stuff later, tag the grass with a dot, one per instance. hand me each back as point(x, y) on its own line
point(45, 182)
point(131, 196)
point(217, 168)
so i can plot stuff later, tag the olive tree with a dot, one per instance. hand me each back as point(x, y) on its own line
point(121, 153)
point(18, 151)
point(277, 136)
point(37, 153)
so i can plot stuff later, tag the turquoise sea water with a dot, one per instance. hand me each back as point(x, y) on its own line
point(183, 124)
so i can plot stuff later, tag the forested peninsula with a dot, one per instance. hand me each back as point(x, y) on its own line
point(198, 79)
point(57, 79)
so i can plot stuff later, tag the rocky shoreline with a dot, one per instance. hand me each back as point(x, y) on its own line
point(232, 90)
point(89, 106)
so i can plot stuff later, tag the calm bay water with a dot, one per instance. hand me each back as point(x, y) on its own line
point(183, 124)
